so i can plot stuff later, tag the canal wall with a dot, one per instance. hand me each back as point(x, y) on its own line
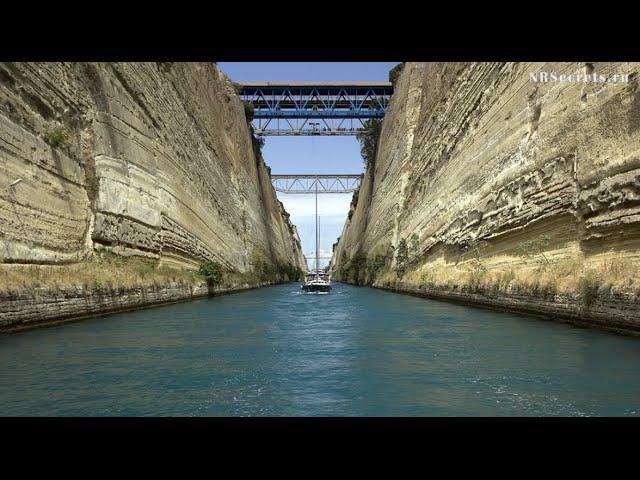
point(613, 311)
point(491, 188)
point(152, 160)
point(129, 172)
point(44, 307)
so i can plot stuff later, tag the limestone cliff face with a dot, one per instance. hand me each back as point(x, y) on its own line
point(145, 159)
point(477, 163)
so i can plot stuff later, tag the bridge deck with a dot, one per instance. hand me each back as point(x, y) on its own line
point(248, 86)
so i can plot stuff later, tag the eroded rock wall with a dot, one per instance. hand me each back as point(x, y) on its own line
point(145, 159)
point(476, 159)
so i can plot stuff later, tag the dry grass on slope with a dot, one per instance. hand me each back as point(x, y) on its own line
point(101, 272)
point(569, 276)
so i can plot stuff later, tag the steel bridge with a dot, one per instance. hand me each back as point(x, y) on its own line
point(307, 183)
point(315, 108)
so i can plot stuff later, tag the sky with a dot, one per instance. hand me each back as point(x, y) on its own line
point(313, 154)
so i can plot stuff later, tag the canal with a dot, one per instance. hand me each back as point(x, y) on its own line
point(358, 351)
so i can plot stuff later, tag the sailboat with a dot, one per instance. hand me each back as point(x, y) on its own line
point(316, 281)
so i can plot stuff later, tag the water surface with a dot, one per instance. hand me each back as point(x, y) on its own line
point(358, 351)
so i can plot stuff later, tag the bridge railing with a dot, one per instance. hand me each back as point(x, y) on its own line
point(359, 113)
point(306, 132)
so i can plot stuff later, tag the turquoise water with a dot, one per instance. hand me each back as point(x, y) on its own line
point(357, 351)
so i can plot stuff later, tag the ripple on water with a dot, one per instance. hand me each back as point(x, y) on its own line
point(357, 351)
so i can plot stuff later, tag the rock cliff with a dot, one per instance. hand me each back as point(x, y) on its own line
point(487, 182)
point(142, 159)
point(144, 169)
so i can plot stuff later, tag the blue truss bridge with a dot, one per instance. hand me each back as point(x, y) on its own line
point(327, 183)
point(315, 108)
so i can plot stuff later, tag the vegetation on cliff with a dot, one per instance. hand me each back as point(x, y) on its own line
point(402, 258)
point(212, 272)
point(473, 205)
point(249, 111)
point(257, 143)
point(530, 271)
point(264, 270)
point(57, 137)
point(105, 271)
point(395, 72)
point(354, 271)
point(354, 202)
point(84, 213)
point(369, 138)
point(362, 269)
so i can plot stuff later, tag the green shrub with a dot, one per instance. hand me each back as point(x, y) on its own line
point(354, 197)
point(588, 287)
point(402, 257)
point(376, 264)
point(414, 247)
point(289, 272)
point(266, 271)
point(342, 271)
point(257, 143)
point(212, 272)
point(249, 111)
point(355, 269)
point(475, 247)
point(56, 137)
point(369, 138)
point(395, 72)
point(535, 248)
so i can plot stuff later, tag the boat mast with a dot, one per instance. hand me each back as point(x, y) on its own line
point(317, 231)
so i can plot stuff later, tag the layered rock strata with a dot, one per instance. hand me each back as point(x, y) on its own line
point(497, 182)
point(150, 160)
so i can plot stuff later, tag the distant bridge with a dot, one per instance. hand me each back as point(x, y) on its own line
point(308, 183)
point(315, 108)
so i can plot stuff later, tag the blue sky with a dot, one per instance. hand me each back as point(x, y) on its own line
point(312, 154)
